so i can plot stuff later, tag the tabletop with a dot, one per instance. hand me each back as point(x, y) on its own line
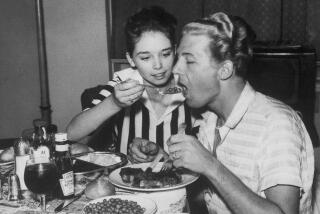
point(165, 200)
point(28, 206)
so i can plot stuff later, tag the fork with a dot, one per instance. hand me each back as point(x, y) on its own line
point(168, 164)
point(156, 160)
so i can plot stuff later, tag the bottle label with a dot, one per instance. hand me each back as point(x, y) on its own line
point(67, 183)
point(42, 152)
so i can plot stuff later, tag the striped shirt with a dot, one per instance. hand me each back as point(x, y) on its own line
point(140, 119)
point(265, 143)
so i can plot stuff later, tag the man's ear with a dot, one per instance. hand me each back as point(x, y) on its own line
point(129, 59)
point(226, 70)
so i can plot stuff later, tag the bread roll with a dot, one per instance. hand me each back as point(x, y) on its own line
point(99, 188)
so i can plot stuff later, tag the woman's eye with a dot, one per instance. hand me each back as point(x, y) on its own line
point(145, 58)
point(166, 54)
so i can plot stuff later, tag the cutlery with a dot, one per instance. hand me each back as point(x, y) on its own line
point(67, 202)
point(9, 205)
point(170, 90)
point(168, 164)
point(156, 160)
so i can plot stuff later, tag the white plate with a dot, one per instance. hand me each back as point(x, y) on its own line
point(115, 179)
point(2, 163)
point(149, 205)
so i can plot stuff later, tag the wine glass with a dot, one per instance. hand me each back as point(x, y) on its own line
point(41, 177)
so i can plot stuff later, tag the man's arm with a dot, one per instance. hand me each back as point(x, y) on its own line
point(240, 199)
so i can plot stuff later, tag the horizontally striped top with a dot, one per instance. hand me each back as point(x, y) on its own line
point(140, 119)
point(264, 143)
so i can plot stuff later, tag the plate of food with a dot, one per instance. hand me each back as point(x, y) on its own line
point(121, 204)
point(139, 177)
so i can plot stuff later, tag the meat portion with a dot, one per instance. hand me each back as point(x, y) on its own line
point(148, 179)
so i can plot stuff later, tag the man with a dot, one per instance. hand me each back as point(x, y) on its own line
point(254, 150)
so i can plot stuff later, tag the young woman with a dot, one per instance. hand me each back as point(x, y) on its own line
point(131, 100)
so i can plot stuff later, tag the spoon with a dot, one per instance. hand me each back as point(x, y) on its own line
point(170, 90)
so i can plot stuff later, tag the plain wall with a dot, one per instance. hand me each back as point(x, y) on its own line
point(77, 53)
point(19, 74)
point(77, 58)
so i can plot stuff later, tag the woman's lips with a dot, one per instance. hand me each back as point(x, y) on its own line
point(159, 76)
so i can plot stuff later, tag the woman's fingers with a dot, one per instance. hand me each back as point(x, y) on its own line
point(128, 92)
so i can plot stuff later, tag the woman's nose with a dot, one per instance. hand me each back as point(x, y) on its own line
point(157, 64)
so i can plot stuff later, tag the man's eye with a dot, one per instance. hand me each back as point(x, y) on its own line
point(190, 62)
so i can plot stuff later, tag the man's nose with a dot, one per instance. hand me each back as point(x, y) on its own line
point(176, 69)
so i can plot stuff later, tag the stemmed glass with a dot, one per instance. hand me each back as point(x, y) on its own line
point(41, 177)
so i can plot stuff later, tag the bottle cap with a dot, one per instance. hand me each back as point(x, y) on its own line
point(60, 137)
point(39, 123)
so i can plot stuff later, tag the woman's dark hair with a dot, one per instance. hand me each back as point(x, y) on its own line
point(154, 19)
point(231, 39)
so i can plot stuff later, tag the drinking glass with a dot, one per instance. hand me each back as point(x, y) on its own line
point(41, 177)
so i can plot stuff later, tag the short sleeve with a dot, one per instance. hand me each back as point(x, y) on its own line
point(93, 96)
point(284, 147)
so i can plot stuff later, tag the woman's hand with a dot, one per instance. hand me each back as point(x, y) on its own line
point(142, 150)
point(127, 92)
point(187, 152)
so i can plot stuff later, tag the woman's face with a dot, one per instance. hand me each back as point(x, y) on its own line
point(153, 56)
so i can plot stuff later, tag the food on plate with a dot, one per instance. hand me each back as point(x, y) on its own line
point(101, 159)
point(78, 148)
point(7, 155)
point(114, 205)
point(99, 188)
point(148, 179)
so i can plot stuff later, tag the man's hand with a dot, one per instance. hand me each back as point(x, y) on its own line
point(186, 151)
point(127, 92)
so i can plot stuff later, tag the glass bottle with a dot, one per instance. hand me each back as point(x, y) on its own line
point(64, 165)
point(40, 148)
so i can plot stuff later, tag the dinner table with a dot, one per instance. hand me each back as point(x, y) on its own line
point(28, 205)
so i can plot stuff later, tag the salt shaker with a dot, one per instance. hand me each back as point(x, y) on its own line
point(21, 151)
point(14, 188)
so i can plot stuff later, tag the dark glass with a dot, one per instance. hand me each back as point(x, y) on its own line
point(41, 178)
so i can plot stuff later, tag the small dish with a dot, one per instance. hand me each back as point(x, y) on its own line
point(148, 204)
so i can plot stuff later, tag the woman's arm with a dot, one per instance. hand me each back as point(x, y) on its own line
point(87, 121)
point(124, 95)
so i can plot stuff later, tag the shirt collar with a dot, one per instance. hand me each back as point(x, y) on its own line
point(242, 105)
point(176, 99)
point(238, 111)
